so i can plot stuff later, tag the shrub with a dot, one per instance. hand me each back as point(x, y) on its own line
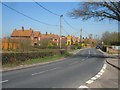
point(16, 58)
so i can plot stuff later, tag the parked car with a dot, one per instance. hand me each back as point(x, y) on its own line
point(97, 47)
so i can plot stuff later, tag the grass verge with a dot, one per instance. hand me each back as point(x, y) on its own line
point(113, 52)
point(39, 60)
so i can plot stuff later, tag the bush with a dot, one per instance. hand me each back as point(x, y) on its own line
point(16, 58)
point(68, 54)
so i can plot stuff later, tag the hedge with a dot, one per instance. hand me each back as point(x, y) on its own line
point(14, 58)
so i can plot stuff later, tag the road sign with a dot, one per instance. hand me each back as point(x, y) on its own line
point(68, 40)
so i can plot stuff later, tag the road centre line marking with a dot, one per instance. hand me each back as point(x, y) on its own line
point(3, 81)
point(45, 71)
point(73, 63)
point(83, 59)
point(89, 52)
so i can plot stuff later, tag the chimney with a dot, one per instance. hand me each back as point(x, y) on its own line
point(46, 33)
point(22, 28)
point(30, 28)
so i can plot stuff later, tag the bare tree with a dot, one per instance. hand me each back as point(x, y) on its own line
point(44, 42)
point(110, 38)
point(98, 10)
point(25, 44)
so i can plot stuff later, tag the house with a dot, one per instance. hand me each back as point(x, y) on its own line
point(23, 34)
point(52, 37)
point(75, 40)
point(88, 41)
point(34, 38)
point(113, 49)
point(37, 37)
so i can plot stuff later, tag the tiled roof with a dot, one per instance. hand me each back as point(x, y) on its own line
point(36, 33)
point(21, 33)
point(4, 39)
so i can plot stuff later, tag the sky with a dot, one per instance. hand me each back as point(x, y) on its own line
point(12, 20)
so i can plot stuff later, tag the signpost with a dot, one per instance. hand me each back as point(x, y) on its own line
point(68, 40)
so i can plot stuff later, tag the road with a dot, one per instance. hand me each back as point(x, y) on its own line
point(68, 73)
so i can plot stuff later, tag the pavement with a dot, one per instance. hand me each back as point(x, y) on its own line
point(72, 72)
point(113, 59)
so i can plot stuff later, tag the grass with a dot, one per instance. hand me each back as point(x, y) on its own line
point(43, 59)
point(39, 60)
point(113, 52)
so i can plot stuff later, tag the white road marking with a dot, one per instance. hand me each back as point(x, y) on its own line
point(3, 81)
point(89, 52)
point(83, 59)
point(95, 53)
point(45, 71)
point(74, 63)
point(83, 86)
point(104, 66)
point(100, 73)
point(89, 81)
point(97, 76)
point(93, 78)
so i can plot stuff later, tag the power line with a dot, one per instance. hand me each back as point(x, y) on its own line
point(73, 27)
point(64, 30)
point(26, 15)
point(68, 24)
point(45, 8)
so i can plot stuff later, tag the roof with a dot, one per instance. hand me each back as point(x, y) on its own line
point(21, 33)
point(4, 39)
point(47, 36)
point(36, 33)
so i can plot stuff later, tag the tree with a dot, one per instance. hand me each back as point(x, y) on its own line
point(111, 38)
point(90, 36)
point(98, 10)
point(44, 43)
point(25, 44)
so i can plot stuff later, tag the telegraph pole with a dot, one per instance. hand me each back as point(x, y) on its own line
point(81, 35)
point(60, 28)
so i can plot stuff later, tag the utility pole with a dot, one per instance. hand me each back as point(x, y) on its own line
point(60, 28)
point(81, 35)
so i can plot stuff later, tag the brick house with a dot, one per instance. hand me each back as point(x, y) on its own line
point(51, 37)
point(37, 37)
point(75, 40)
point(88, 40)
point(23, 34)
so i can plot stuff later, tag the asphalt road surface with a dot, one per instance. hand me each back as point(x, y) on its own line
point(68, 73)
